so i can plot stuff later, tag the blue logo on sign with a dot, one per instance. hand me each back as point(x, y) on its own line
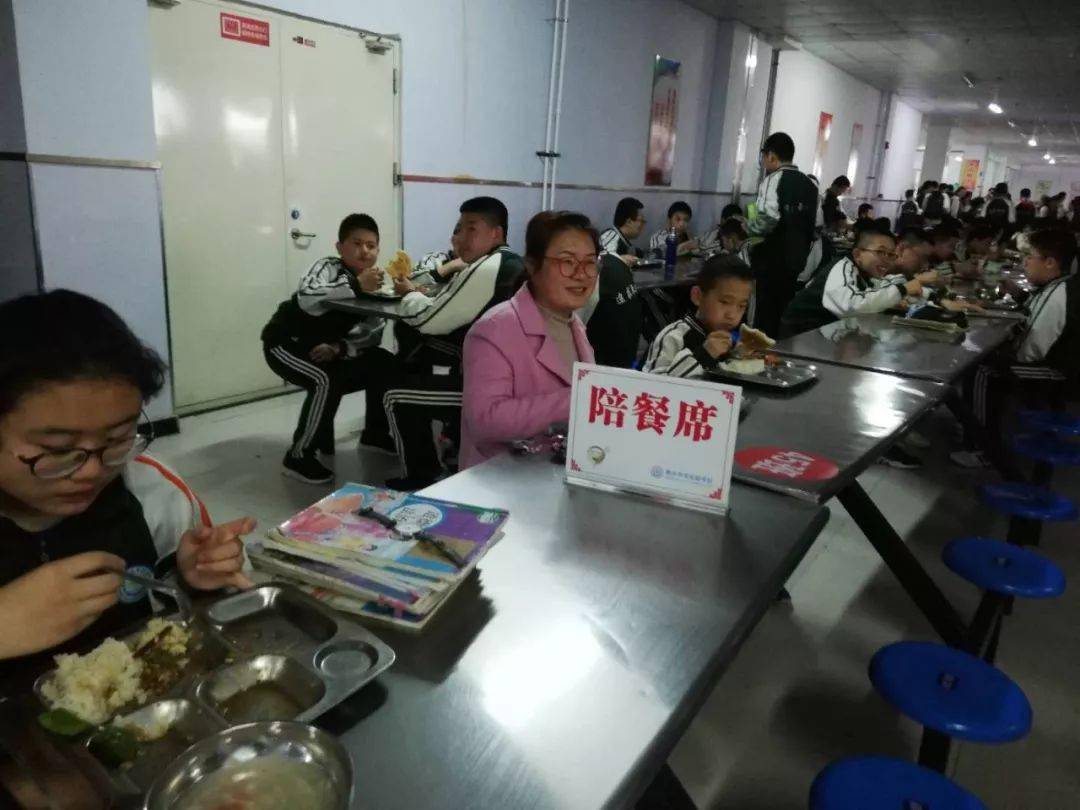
point(131, 592)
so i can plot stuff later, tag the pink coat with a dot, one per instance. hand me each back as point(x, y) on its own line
point(516, 382)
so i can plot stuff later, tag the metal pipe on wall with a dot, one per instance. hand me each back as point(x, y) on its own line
point(562, 23)
point(550, 104)
point(881, 134)
point(774, 66)
point(740, 142)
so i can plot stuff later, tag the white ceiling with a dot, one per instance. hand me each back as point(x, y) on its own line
point(1028, 53)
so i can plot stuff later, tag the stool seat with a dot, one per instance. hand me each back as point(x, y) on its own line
point(883, 783)
point(951, 691)
point(1023, 500)
point(1047, 447)
point(1004, 568)
point(1057, 422)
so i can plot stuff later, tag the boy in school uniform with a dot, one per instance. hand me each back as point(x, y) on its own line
point(833, 215)
point(629, 222)
point(702, 340)
point(80, 502)
point(326, 352)
point(1025, 209)
point(858, 284)
point(437, 266)
point(425, 383)
point(679, 215)
point(1047, 349)
point(613, 315)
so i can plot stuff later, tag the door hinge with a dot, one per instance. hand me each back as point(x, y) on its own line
point(395, 81)
point(397, 174)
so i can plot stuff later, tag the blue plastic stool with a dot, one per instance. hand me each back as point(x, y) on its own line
point(883, 783)
point(1057, 422)
point(952, 694)
point(1048, 451)
point(1004, 572)
point(1028, 506)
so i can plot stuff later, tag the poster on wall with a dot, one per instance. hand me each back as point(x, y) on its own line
point(824, 132)
point(969, 174)
point(1042, 188)
point(663, 122)
point(853, 157)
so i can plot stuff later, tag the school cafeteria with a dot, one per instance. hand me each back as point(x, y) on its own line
point(539, 404)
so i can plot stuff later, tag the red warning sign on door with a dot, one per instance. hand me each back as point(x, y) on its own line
point(245, 29)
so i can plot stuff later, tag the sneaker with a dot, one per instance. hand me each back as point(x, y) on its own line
point(900, 458)
point(306, 469)
point(408, 483)
point(970, 459)
point(383, 444)
point(916, 440)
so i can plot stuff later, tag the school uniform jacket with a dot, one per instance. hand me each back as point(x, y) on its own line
point(786, 213)
point(613, 315)
point(613, 241)
point(679, 350)
point(840, 291)
point(305, 321)
point(139, 517)
point(658, 241)
point(442, 320)
point(1051, 334)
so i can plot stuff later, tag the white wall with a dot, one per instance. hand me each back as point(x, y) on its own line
point(897, 172)
point(806, 87)
point(85, 77)
point(1061, 178)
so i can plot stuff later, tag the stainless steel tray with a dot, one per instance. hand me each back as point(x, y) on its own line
point(271, 653)
point(784, 375)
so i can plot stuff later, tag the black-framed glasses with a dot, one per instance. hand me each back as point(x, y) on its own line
point(569, 265)
point(54, 464)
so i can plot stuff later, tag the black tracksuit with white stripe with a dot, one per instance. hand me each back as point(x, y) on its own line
point(679, 350)
point(303, 322)
point(1047, 350)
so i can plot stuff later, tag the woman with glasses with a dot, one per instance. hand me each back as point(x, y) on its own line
point(79, 504)
point(518, 357)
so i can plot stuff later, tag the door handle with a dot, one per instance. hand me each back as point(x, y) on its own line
point(296, 233)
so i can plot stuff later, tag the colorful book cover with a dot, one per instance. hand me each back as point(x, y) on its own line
point(334, 526)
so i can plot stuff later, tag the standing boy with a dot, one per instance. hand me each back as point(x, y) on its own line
point(834, 216)
point(784, 220)
point(326, 352)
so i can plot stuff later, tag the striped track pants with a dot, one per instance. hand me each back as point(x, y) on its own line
point(411, 405)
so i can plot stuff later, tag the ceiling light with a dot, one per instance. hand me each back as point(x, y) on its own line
point(1032, 141)
point(1012, 124)
point(995, 108)
point(957, 158)
point(1052, 161)
point(969, 80)
point(1046, 156)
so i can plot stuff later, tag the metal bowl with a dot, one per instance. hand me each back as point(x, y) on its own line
point(235, 748)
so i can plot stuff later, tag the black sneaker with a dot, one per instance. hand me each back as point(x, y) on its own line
point(383, 443)
point(901, 459)
point(306, 469)
point(409, 483)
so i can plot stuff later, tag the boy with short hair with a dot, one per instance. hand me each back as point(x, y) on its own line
point(679, 215)
point(834, 217)
point(1048, 347)
point(943, 238)
point(629, 223)
point(1025, 209)
point(866, 211)
point(855, 285)
point(80, 501)
point(721, 295)
point(326, 352)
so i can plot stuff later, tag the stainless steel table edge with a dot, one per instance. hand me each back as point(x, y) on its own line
point(671, 732)
point(835, 485)
point(355, 307)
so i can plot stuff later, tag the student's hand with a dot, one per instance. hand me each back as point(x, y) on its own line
point(913, 287)
point(324, 353)
point(717, 344)
point(928, 279)
point(688, 246)
point(630, 260)
point(57, 601)
point(212, 557)
point(403, 286)
point(449, 268)
point(960, 306)
point(371, 279)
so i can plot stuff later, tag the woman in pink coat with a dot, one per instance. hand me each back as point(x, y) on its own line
point(519, 355)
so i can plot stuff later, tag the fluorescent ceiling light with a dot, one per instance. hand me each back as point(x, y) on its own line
point(1012, 124)
point(1046, 156)
point(1052, 161)
point(969, 80)
point(1032, 141)
point(995, 108)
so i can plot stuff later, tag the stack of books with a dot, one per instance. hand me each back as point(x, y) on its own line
point(389, 556)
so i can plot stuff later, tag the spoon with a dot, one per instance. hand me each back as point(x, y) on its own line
point(183, 602)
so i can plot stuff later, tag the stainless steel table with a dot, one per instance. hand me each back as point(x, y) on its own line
point(686, 270)
point(566, 675)
point(846, 420)
point(874, 343)
point(370, 306)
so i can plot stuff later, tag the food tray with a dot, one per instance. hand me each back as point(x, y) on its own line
point(271, 653)
point(784, 375)
point(930, 326)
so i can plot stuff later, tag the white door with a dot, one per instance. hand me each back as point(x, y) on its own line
point(253, 129)
point(340, 138)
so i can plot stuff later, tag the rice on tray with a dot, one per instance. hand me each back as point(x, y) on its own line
point(94, 686)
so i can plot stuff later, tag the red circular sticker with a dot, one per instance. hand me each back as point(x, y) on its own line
point(786, 464)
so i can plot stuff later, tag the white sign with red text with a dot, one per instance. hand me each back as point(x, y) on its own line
point(661, 436)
